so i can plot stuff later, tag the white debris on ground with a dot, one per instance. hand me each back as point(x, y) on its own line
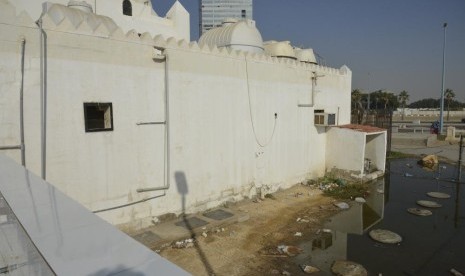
point(309, 269)
point(289, 250)
point(342, 205)
point(187, 243)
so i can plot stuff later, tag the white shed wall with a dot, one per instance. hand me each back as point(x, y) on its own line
point(345, 149)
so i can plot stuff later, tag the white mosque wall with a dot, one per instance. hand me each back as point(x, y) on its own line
point(222, 105)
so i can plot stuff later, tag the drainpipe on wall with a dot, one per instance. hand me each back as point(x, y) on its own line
point(167, 154)
point(166, 177)
point(43, 97)
point(313, 92)
point(21, 105)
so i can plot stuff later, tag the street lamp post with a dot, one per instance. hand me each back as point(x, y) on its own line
point(441, 115)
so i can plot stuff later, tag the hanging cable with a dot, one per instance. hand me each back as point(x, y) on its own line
point(251, 116)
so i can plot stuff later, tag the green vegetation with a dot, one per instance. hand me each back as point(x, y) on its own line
point(398, 155)
point(340, 188)
point(349, 191)
point(435, 103)
point(449, 95)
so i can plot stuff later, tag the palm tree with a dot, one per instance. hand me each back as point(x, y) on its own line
point(357, 104)
point(385, 98)
point(449, 95)
point(403, 99)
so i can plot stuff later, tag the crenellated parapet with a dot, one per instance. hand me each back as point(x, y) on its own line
point(57, 17)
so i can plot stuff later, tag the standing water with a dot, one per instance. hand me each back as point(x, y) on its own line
point(431, 245)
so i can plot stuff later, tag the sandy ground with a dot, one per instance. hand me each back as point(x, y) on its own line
point(250, 247)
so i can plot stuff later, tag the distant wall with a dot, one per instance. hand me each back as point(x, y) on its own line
point(420, 112)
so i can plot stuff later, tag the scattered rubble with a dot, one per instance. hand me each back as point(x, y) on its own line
point(408, 175)
point(289, 250)
point(429, 161)
point(385, 236)
point(286, 273)
point(347, 268)
point(298, 234)
point(342, 205)
point(360, 200)
point(309, 269)
point(187, 243)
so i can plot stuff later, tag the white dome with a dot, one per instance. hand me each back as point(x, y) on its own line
point(305, 55)
point(282, 49)
point(234, 34)
point(80, 5)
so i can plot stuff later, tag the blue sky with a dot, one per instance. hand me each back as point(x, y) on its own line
point(394, 45)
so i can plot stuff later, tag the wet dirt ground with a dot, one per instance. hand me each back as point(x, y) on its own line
point(431, 245)
point(250, 247)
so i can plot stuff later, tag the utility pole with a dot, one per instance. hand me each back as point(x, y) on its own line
point(458, 183)
point(441, 113)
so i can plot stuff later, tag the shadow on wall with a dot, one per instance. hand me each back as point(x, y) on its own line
point(182, 186)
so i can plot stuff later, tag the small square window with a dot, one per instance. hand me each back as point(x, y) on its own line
point(98, 117)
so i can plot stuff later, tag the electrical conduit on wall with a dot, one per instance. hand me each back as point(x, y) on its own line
point(251, 114)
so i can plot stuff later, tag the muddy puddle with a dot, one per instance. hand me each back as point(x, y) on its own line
point(432, 245)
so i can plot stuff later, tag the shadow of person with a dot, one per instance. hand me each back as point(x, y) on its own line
point(182, 186)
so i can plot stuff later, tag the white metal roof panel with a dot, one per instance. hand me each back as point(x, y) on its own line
point(71, 239)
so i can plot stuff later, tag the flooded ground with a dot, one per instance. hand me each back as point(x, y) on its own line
point(431, 245)
point(320, 233)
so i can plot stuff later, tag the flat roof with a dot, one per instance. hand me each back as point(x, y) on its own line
point(70, 239)
point(363, 128)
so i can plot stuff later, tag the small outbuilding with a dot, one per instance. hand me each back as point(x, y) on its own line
point(359, 149)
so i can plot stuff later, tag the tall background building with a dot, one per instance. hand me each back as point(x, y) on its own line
point(213, 12)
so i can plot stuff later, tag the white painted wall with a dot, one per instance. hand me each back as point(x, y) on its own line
point(345, 149)
point(211, 113)
point(375, 149)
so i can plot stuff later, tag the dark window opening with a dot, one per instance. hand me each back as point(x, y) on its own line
point(98, 117)
point(127, 8)
point(319, 111)
point(243, 13)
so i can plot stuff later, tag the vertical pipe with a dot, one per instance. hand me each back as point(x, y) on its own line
point(167, 119)
point(43, 99)
point(21, 104)
point(460, 159)
point(457, 185)
point(441, 115)
point(167, 154)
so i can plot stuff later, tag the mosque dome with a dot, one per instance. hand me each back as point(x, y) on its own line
point(80, 5)
point(281, 49)
point(305, 55)
point(235, 34)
